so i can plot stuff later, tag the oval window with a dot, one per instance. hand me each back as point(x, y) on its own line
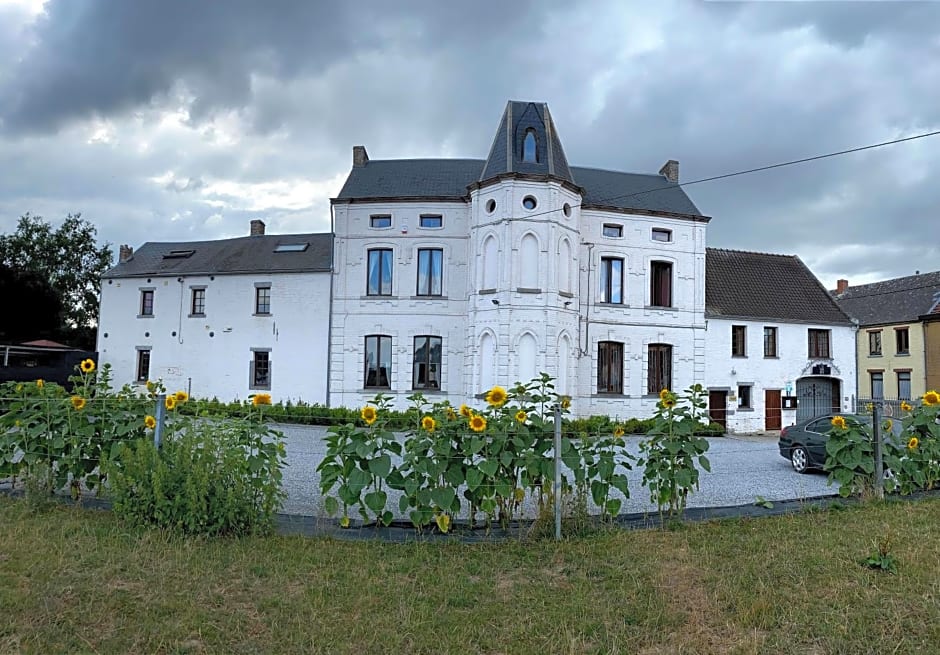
point(529, 203)
point(490, 206)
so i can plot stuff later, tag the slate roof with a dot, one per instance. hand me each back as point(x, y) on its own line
point(754, 285)
point(506, 151)
point(449, 178)
point(901, 300)
point(252, 254)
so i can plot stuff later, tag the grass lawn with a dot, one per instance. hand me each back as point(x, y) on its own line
point(78, 581)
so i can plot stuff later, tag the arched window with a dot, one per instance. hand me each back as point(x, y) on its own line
point(490, 264)
point(530, 151)
point(564, 266)
point(529, 262)
point(528, 351)
point(564, 354)
point(487, 361)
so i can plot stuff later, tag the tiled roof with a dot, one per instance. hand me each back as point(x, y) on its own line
point(506, 151)
point(449, 178)
point(754, 285)
point(253, 254)
point(901, 300)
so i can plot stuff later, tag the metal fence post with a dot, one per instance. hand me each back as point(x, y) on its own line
point(876, 438)
point(557, 486)
point(160, 416)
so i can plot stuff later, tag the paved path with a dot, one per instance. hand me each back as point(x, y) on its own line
point(742, 469)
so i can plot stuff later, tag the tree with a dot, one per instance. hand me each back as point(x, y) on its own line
point(69, 258)
point(40, 314)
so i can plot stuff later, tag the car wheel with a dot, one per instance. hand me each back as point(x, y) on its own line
point(799, 458)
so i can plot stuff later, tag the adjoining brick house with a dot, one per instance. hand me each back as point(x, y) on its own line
point(898, 345)
point(773, 335)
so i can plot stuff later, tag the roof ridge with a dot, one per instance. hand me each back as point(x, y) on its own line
point(854, 288)
point(611, 170)
point(755, 252)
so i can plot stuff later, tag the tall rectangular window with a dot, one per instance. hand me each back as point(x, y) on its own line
point(260, 370)
point(198, 305)
point(262, 300)
point(378, 373)
point(659, 372)
point(379, 272)
point(770, 342)
point(904, 385)
point(430, 272)
point(427, 363)
point(744, 396)
point(612, 280)
point(877, 385)
point(819, 344)
point(902, 341)
point(739, 341)
point(874, 342)
point(661, 284)
point(146, 302)
point(143, 364)
point(609, 367)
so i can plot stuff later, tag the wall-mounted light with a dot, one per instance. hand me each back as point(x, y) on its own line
point(567, 303)
point(495, 302)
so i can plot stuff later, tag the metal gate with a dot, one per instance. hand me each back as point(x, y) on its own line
point(815, 397)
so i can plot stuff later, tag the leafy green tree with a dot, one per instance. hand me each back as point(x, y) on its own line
point(69, 257)
point(42, 315)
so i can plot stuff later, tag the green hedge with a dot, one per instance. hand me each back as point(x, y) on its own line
point(301, 413)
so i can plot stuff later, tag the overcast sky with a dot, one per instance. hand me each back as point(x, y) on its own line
point(175, 120)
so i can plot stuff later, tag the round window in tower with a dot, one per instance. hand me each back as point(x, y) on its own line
point(567, 209)
point(529, 203)
point(490, 206)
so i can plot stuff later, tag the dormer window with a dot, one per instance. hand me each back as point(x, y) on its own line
point(529, 147)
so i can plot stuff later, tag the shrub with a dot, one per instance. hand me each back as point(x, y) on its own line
point(209, 477)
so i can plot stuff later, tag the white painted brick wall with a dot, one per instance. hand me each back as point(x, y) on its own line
point(218, 365)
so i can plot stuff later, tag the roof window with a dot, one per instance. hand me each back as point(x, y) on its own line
point(179, 254)
point(291, 247)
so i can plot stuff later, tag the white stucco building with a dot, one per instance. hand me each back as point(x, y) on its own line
point(773, 332)
point(447, 276)
point(225, 318)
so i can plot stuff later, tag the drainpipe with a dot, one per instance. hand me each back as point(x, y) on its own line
point(587, 309)
point(329, 328)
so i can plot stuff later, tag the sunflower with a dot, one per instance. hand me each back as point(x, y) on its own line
point(887, 425)
point(913, 443)
point(565, 402)
point(150, 422)
point(181, 396)
point(428, 423)
point(40, 383)
point(78, 403)
point(521, 416)
point(932, 398)
point(663, 394)
point(669, 402)
point(477, 423)
point(261, 399)
point(465, 411)
point(906, 406)
point(87, 366)
point(838, 422)
point(151, 386)
point(618, 431)
point(451, 414)
point(496, 396)
point(368, 414)
point(170, 402)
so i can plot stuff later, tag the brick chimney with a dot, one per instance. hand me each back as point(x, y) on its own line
point(670, 171)
point(360, 156)
point(125, 252)
point(841, 286)
point(257, 228)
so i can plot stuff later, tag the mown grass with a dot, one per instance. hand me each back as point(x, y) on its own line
point(79, 581)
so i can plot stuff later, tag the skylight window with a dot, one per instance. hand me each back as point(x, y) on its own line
point(179, 254)
point(291, 247)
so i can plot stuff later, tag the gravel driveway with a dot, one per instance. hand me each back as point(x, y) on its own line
point(742, 470)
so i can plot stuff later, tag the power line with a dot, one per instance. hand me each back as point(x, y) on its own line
point(758, 169)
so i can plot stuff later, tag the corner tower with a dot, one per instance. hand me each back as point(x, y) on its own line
point(524, 244)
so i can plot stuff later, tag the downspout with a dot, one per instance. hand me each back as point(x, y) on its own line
point(329, 328)
point(587, 308)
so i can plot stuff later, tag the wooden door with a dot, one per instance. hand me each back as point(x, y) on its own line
point(718, 407)
point(772, 406)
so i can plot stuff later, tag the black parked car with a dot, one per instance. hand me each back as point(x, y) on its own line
point(804, 444)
